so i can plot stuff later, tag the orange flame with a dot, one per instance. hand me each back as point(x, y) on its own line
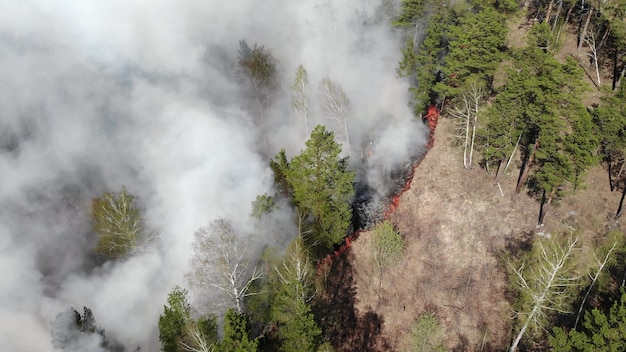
point(431, 118)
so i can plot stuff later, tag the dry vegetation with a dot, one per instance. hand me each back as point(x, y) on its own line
point(458, 225)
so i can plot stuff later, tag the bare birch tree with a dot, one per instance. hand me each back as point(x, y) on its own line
point(221, 261)
point(591, 40)
point(466, 113)
point(199, 342)
point(594, 278)
point(119, 225)
point(296, 270)
point(546, 284)
point(299, 99)
point(335, 105)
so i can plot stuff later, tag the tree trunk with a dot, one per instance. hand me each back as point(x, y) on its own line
point(473, 131)
point(620, 208)
point(523, 330)
point(593, 282)
point(615, 74)
point(500, 171)
point(549, 12)
point(558, 14)
point(543, 209)
point(584, 31)
point(609, 162)
point(526, 169)
point(569, 13)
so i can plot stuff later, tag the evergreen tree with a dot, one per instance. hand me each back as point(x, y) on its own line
point(474, 49)
point(429, 52)
point(290, 309)
point(610, 119)
point(280, 167)
point(179, 331)
point(75, 332)
point(173, 320)
point(322, 186)
point(236, 334)
point(410, 12)
point(263, 204)
point(600, 331)
point(540, 108)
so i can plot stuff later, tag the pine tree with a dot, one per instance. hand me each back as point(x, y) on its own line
point(179, 331)
point(474, 49)
point(600, 331)
point(236, 334)
point(290, 308)
point(173, 320)
point(323, 186)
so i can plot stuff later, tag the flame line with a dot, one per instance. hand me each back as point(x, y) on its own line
point(431, 118)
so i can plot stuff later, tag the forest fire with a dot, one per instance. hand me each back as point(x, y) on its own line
point(430, 118)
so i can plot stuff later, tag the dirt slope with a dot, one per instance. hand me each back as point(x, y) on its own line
point(456, 223)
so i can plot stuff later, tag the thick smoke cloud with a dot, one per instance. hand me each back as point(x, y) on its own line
point(100, 94)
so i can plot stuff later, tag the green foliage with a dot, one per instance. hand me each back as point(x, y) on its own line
point(460, 42)
point(610, 122)
point(280, 167)
point(236, 334)
point(178, 331)
point(260, 67)
point(600, 331)
point(388, 245)
point(118, 224)
point(410, 11)
point(293, 290)
point(428, 59)
point(541, 36)
point(475, 48)
point(263, 204)
point(426, 335)
point(540, 107)
point(547, 280)
point(173, 320)
point(322, 186)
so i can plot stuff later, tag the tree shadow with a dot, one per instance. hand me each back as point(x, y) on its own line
point(344, 326)
point(518, 246)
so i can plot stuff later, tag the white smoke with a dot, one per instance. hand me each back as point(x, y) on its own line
point(100, 94)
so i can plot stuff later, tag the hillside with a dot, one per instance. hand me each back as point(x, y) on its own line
point(458, 226)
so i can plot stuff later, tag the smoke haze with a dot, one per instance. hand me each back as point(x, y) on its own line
point(103, 94)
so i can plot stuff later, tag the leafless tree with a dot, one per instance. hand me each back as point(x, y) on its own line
point(466, 113)
point(221, 261)
point(296, 271)
point(299, 99)
point(198, 340)
point(594, 278)
point(591, 40)
point(335, 105)
point(547, 283)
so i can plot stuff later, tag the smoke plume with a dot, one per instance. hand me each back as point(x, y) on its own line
point(148, 95)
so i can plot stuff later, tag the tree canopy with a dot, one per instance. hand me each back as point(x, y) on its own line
point(600, 331)
point(323, 186)
point(118, 224)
